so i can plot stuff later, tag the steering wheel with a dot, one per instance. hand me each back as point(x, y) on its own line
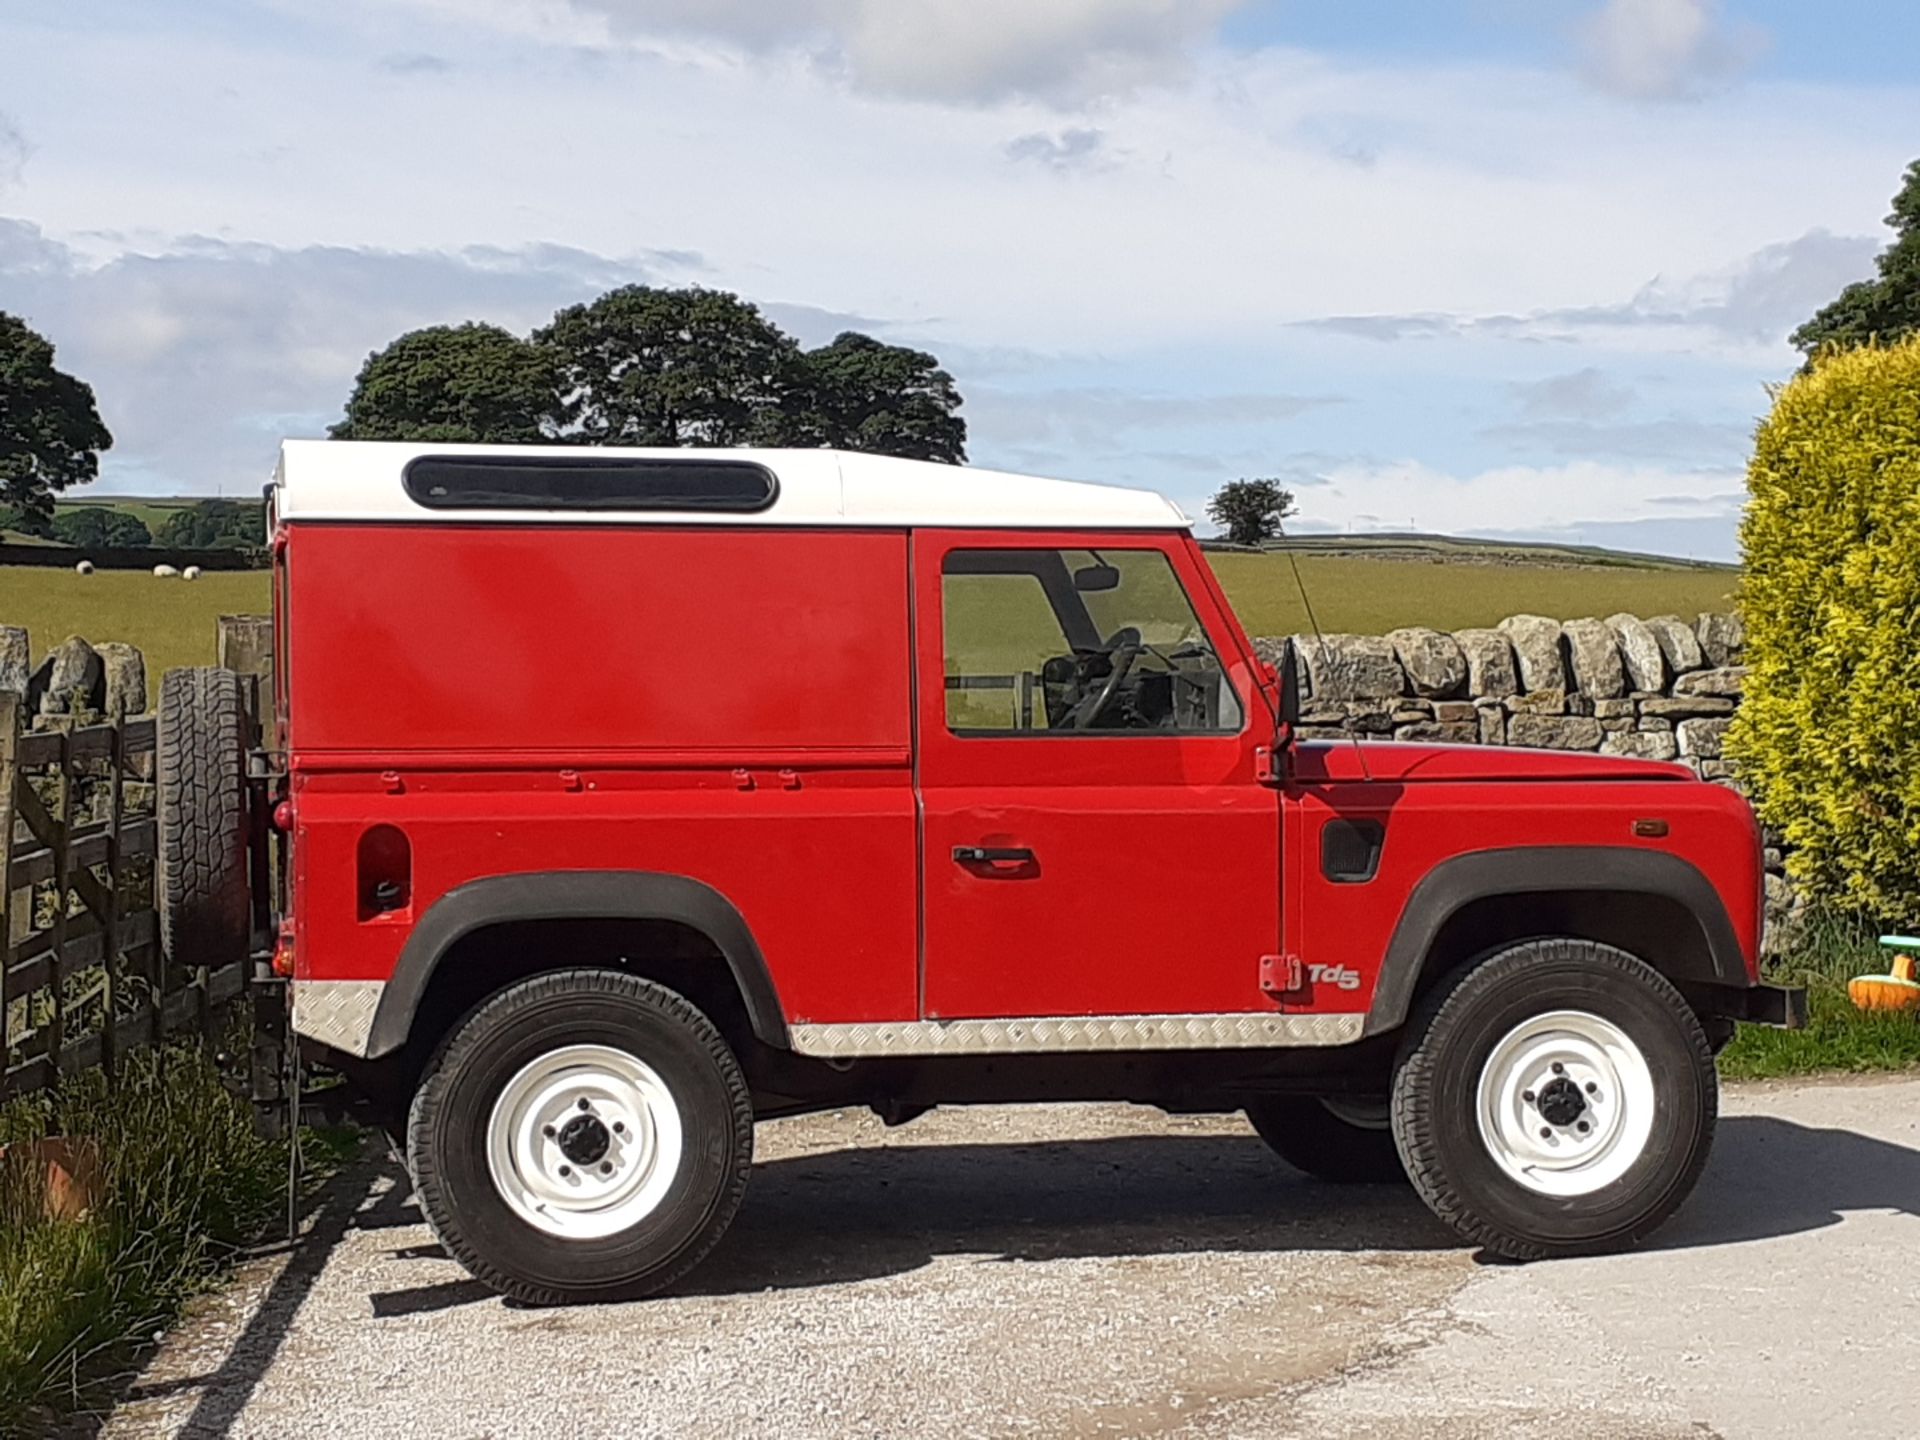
point(1123, 647)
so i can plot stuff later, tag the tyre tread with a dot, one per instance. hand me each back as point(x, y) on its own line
point(200, 772)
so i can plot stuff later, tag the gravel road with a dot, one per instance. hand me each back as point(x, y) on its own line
point(1102, 1270)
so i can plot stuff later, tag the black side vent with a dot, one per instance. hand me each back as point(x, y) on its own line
point(1350, 850)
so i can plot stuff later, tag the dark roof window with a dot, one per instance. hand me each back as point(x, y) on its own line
point(586, 482)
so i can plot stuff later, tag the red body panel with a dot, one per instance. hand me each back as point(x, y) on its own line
point(1157, 883)
point(523, 699)
point(762, 710)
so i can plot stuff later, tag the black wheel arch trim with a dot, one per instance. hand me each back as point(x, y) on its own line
point(574, 895)
point(1532, 870)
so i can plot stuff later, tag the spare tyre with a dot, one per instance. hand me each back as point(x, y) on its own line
point(200, 880)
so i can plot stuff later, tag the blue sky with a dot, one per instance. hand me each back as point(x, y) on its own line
point(1519, 267)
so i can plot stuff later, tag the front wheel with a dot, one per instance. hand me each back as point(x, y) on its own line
point(583, 1136)
point(1556, 1099)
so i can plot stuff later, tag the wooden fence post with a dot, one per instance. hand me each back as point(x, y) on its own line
point(10, 708)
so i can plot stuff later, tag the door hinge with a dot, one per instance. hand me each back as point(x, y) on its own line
point(1265, 767)
point(1281, 974)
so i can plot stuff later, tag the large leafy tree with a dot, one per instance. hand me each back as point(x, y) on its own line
point(861, 394)
point(1887, 307)
point(470, 382)
point(51, 434)
point(1251, 511)
point(648, 366)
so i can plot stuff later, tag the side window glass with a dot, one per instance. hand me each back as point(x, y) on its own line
point(1077, 642)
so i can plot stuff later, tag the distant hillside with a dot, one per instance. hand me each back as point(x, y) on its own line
point(1409, 545)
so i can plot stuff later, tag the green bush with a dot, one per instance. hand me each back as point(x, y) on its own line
point(185, 1181)
point(1827, 740)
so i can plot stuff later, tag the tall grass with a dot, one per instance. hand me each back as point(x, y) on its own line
point(1830, 950)
point(185, 1182)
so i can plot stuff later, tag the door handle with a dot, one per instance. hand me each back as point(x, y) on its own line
point(993, 855)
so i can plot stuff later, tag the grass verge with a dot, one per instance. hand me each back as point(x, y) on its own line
point(1838, 1038)
point(185, 1183)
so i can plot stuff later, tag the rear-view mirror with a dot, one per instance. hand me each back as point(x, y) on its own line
point(1090, 579)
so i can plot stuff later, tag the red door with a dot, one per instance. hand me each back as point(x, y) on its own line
point(1096, 837)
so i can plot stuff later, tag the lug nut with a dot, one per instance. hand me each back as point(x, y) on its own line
point(566, 1171)
point(1546, 1132)
point(1584, 1127)
point(1527, 1095)
point(618, 1128)
point(606, 1167)
point(548, 1131)
point(1592, 1089)
point(1558, 1068)
point(585, 1104)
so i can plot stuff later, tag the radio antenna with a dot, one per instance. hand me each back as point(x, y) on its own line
point(1359, 749)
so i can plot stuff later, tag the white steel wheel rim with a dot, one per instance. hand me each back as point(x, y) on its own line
point(1566, 1103)
point(547, 1129)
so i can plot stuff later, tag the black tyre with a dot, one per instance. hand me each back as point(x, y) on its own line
point(1346, 1141)
point(582, 1136)
point(201, 884)
point(1556, 1099)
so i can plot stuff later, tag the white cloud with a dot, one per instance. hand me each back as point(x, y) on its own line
point(1665, 49)
point(1063, 152)
point(955, 51)
point(1513, 499)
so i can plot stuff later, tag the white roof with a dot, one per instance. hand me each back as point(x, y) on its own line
point(361, 480)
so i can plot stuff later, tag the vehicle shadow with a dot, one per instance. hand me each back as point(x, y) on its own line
point(860, 1214)
point(1769, 1178)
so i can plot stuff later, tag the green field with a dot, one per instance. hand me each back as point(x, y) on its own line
point(173, 620)
point(1368, 596)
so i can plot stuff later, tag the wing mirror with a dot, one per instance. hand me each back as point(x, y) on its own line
point(1092, 579)
point(1287, 674)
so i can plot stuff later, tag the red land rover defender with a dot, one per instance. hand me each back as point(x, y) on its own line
point(633, 796)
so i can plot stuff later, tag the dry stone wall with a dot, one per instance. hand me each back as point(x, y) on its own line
point(1659, 689)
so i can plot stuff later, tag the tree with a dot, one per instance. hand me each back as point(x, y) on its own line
point(1251, 511)
point(646, 366)
point(1827, 741)
point(861, 394)
point(470, 382)
point(98, 527)
point(1887, 307)
point(51, 435)
point(215, 525)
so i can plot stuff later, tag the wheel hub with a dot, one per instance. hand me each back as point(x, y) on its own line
point(1561, 1102)
point(585, 1140)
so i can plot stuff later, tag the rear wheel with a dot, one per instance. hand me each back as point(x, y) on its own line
point(1557, 1099)
point(202, 892)
point(583, 1136)
point(1349, 1141)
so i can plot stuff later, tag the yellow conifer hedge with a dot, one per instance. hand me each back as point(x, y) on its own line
point(1827, 740)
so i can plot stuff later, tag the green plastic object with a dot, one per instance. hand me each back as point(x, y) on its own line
point(1901, 942)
